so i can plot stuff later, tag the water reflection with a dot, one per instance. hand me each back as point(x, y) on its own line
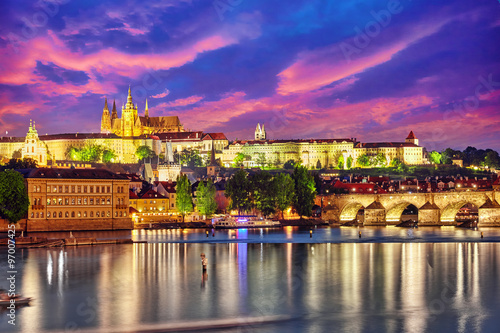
point(353, 287)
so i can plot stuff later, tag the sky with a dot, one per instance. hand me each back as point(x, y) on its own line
point(370, 70)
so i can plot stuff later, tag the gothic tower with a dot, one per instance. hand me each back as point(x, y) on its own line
point(105, 119)
point(114, 113)
point(260, 133)
point(129, 116)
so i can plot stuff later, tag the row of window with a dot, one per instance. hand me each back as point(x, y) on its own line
point(78, 214)
point(78, 189)
point(79, 201)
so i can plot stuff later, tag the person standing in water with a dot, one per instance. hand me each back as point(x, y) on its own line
point(204, 262)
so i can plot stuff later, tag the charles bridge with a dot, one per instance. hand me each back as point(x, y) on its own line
point(433, 208)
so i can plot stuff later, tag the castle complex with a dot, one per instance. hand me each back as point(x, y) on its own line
point(124, 135)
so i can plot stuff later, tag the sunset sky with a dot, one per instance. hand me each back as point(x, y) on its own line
point(373, 70)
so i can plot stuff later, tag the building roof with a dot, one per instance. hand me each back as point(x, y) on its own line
point(214, 136)
point(263, 142)
point(78, 136)
point(11, 139)
point(152, 194)
point(57, 173)
point(179, 136)
point(386, 145)
point(132, 195)
point(411, 136)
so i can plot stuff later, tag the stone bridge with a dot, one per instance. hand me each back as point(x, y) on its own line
point(433, 208)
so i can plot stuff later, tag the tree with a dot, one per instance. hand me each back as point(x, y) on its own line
point(340, 162)
point(289, 165)
point(263, 192)
point(206, 198)
point(492, 160)
point(238, 189)
point(261, 159)
point(238, 160)
point(189, 157)
point(349, 162)
point(435, 157)
point(143, 152)
point(364, 160)
point(284, 187)
point(14, 200)
point(304, 191)
point(25, 163)
point(395, 162)
point(108, 155)
point(379, 160)
point(183, 198)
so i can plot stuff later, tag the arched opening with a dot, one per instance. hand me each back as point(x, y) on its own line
point(401, 212)
point(352, 212)
point(467, 215)
point(410, 213)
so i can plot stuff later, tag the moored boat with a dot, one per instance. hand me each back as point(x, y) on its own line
point(17, 300)
point(247, 221)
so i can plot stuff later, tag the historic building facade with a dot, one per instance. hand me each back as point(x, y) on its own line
point(76, 199)
point(131, 124)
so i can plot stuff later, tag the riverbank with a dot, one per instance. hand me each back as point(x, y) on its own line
point(34, 242)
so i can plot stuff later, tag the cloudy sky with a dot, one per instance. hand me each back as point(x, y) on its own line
point(373, 70)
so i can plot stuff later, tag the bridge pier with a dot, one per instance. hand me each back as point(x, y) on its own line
point(429, 215)
point(489, 214)
point(374, 214)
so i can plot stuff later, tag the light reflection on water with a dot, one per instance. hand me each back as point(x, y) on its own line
point(386, 287)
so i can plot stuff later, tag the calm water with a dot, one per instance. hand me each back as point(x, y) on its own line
point(352, 286)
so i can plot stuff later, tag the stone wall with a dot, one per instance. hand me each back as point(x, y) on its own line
point(79, 224)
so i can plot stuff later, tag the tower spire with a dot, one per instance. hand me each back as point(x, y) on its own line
point(146, 113)
point(129, 97)
point(114, 113)
point(106, 103)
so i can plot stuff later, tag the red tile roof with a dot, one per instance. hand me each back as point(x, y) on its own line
point(411, 135)
point(214, 136)
point(152, 194)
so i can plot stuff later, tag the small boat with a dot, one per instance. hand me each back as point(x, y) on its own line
point(17, 300)
point(244, 221)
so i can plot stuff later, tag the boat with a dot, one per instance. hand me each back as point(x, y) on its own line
point(6, 300)
point(244, 221)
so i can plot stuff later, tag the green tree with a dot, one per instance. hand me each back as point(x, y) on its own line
point(73, 154)
point(284, 187)
point(395, 162)
point(238, 160)
point(143, 152)
point(364, 160)
point(492, 160)
point(304, 191)
point(238, 189)
point(189, 157)
point(435, 157)
point(289, 165)
point(349, 162)
point(379, 160)
point(205, 196)
point(14, 200)
point(263, 192)
point(108, 155)
point(261, 160)
point(25, 163)
point(340, 162)
point(183, 198)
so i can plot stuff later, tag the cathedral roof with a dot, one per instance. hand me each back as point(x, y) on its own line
point(160, 122)
point(385, 145)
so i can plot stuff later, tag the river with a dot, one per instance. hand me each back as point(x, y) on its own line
point(284, 280)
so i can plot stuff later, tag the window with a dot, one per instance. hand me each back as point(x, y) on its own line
point(97, 214)
point(116, 214)
point(79, 188)
point(172, 205)
point(91, 188)
point(37, 215)
point(121, 214)
point(91, 201)
point(41, 215)
point(54, 189)
point(79, 201)
point(108, 189)
point(48, 188)
point(48, 201)
point(102, 214)
point(66, 201)
point(72, 201)
point(108, 201)
point(60, 214)
point(103, 201)
point(85, 189)
point(60, 189)
point(79, 214)
point(66, 189)
point(97, 188)
point(66, 214)
point(72, 214)
point(48, 214)
point(85, 214)
point(91, 214)
point(145, 201)
point(107, 213)
point(85, 201)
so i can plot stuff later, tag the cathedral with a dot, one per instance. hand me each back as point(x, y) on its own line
point(131, 124)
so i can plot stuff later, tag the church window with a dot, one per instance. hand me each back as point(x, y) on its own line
point(97, 214)
point(32, 149)
point(79, 214)
point(85, 214)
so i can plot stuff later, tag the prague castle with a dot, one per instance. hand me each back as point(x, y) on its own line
point(131, 124)
point(124, 135)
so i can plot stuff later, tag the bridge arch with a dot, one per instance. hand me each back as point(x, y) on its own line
point(449, 212)
point(350, 211)
point(394, 213)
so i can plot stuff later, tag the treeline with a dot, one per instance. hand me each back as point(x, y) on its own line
point(470, 156)
point(272, 194)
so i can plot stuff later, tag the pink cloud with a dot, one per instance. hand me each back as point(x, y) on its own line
point(180, 102)
point(320, 67)
point(163, 94)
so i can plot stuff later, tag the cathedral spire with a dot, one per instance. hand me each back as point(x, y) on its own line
point(129, 97)
point(146, 113)
point(114, 113)
point(106, 103)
